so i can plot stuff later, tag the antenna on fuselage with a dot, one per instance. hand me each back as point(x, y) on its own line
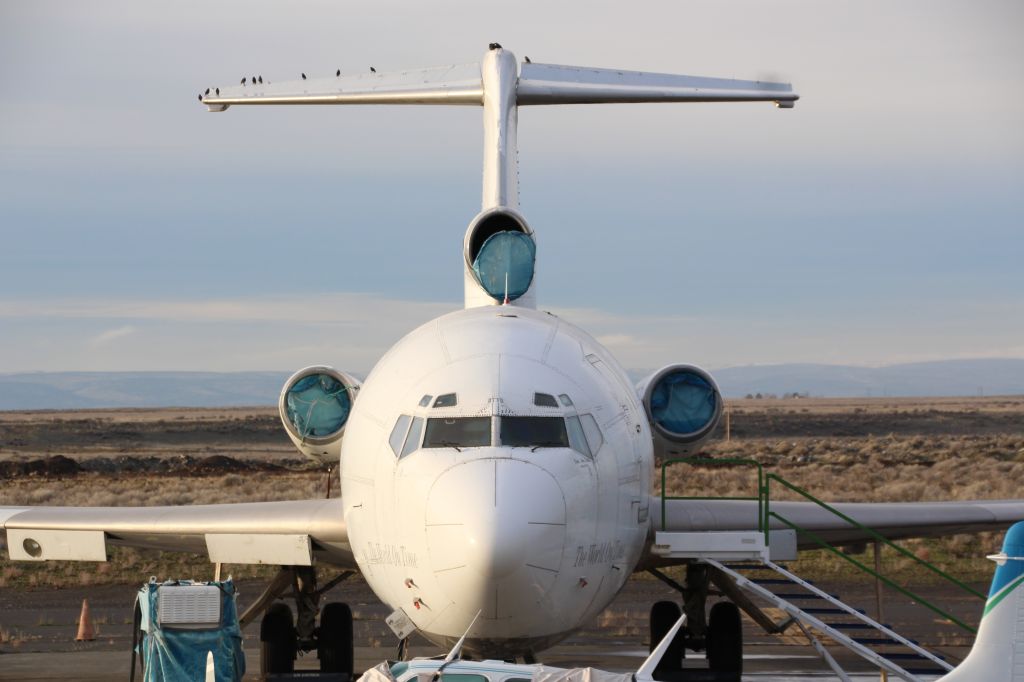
point(456, 650)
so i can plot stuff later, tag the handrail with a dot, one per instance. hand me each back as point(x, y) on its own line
point(764, 514)
point(874, 534)
point(905, 592)
point(760, 498)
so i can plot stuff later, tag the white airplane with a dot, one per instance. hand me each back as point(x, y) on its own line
point(497, 459)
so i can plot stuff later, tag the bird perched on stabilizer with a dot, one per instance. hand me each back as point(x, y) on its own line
point(261, 80)
point(243, 81)
point(200, 97)
point(373, 70)
point(303, 76)
point(217, 91)
point(207, 91)
point(494, 46)
point(528, 60)
point(338, 72)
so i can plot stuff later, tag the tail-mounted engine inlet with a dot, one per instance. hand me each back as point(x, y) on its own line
point(500, 259)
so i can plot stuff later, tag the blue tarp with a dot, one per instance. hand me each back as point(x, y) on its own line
point(683, 402)
point(171, 654)
point(506, 254)
point(318, 405)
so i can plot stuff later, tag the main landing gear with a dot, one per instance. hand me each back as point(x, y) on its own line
point(719, 635)
point(283, 637)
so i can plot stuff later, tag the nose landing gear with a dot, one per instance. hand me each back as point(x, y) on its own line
point(720, 635)
point(282, 638)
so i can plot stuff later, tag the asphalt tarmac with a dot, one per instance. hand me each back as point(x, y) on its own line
point(38, 627)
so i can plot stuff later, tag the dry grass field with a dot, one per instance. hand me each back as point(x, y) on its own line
point(881, 449)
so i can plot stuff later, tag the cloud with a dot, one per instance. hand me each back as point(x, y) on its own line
point(111, 335)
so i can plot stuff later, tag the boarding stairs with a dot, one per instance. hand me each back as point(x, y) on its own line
point(744, 557)
point(749, 560)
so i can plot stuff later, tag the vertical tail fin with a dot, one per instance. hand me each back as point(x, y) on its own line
point(998, 651)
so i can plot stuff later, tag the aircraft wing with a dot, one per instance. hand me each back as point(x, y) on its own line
point(290, 533)
point(891, 520)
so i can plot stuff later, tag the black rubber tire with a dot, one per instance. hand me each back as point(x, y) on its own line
point(725, 640)
point(278, 640)
point(664, 615)
point(334, 639)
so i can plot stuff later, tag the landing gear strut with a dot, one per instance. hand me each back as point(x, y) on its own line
point(282, 638)
point(719, 635)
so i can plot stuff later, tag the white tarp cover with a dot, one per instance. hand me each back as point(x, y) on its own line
point(543, 673)
point(546, 674)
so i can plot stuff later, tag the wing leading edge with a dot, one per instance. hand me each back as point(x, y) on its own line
point(291, 533)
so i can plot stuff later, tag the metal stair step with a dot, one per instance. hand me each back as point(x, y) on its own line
point(829, 609)
point(882, 641)
point(775, 581)
point(909, 656)
point(802, 595)
point(854, 625)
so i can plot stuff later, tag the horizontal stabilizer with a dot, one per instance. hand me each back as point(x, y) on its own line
point(553, 84)
point(457, 84)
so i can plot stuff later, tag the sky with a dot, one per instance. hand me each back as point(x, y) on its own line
point(879, 221)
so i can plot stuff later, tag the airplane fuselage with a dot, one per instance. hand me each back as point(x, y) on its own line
point(497, 460)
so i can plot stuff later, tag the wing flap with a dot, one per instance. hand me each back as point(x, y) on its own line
point(554, 84)
point(456, 84)
point(291, 532)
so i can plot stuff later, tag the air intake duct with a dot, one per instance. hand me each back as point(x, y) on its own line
point(683, 405)
point(315, 405)
point(500, 259)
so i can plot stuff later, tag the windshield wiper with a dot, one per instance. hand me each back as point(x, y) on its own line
point(548, 444)
point(450, 444)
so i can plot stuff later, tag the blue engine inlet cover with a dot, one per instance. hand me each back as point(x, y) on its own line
point(317, 406)
point(683, 403)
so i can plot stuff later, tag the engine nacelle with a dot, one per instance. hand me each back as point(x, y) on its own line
point(315, 404)
point(683, 405)
point(500, 259)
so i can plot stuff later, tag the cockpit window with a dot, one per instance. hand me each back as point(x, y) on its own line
point(566, 400)
point(425, 400)
point(594, 437)
point(412, 441)
point(534, 432)
point(544, 400)
point(576, 436)
point(398, 433)
point(446, 400)
point(457, 432)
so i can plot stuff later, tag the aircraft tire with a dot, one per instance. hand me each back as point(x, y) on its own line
point(725, 641)
point(278, 641)
point(334, 639)
point(664, 615)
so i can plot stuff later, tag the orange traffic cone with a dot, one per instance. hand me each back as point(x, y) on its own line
point(86, 632)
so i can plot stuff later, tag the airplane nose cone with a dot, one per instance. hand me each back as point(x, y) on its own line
point(495, 526)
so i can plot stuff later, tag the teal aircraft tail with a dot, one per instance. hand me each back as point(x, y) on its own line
point(998, 651)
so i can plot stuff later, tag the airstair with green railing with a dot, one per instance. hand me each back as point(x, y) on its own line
point(749, 560)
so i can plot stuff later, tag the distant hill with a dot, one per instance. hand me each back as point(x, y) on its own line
point(81, 390)
point(918, 379)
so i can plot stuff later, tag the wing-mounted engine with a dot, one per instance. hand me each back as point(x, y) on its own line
point(500, 254)
point(683, 405)
point(315, 404)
